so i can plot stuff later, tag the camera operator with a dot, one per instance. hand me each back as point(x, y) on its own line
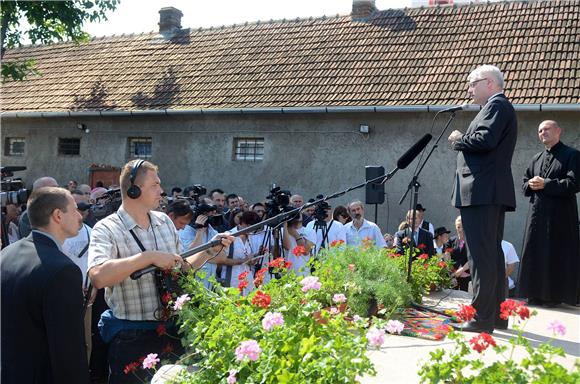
point(10, 215)
point(24, 224)
point(295, 234)
point(133, 238)
point(180, 213)
point(327, 230)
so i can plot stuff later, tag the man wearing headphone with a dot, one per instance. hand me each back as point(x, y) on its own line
point(133, 238)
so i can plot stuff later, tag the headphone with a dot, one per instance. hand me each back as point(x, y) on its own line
point(134, 191)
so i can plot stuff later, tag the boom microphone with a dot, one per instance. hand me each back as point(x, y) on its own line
point(410, 155)
point(455, 109)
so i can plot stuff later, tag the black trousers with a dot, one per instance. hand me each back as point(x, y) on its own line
point(483, 226)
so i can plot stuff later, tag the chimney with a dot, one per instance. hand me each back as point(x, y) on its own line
point(169, 21)
point(362, 9)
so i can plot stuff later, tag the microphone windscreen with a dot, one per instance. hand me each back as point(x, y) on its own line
point(410, 155)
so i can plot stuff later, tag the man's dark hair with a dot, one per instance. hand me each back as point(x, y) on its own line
point(43, 202)
point(258, 205)
point(99, 184)
point(176, 189)
point(214, 191)
point(249, 218)
point(180, 207)
point(231, 196)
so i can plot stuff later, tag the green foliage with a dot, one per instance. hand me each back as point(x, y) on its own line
point(45, 22)
point(303, 350)
point(366, 275)
point(458, 366)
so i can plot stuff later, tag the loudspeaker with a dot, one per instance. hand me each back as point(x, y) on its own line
point(375, 192)
point(134, 191)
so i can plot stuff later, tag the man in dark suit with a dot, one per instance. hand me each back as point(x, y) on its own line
point(42, 323)
point(423, 239)
point(484, 190)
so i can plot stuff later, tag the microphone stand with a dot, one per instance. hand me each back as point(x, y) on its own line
point(414, 184)
point(273, 221)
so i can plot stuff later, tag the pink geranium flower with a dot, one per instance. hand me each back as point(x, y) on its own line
point(310, 282)
point(557, 327)
point(150, 361)
point(395, 326)
point(271, 320)
point(250, 349)
point(180, 301)
point(339, 298)
point(376, 337)
point(232, 377)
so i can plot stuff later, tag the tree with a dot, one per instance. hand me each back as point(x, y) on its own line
point(47, 22)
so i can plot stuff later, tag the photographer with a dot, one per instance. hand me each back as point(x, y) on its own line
point(180, 213)
point(133, 238)
point(327, 229)
point(10, 215)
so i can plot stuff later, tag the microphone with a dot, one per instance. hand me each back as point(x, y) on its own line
point(455, 109)
point(410, 155)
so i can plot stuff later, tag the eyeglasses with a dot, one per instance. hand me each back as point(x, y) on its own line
point(473, 83)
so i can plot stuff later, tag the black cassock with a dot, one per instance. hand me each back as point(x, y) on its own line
point(550, 266)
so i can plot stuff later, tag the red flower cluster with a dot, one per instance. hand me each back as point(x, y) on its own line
point(166, 298)
point(131, 367)
point(442, 264)
point(243, 284)
point(449, 250)
point(423, 256)
point(481, 342)
point(336, 243)
point(280, 263)
point(465, 313)
point(161, 330)
point(259, 279)
point(514, 308)
point(261, 300)
point(422, 246)
point(243, 275)
point(299, 250)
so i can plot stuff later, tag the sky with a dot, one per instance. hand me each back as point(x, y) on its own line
point(138, 16)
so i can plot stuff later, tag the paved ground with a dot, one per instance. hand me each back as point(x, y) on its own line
point(399, 359)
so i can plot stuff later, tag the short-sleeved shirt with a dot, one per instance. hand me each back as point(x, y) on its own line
point(511, 257)
point(368, 230)
point(73, 246)
point(335, 233)
point(111, 239)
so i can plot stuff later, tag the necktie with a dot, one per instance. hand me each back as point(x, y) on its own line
point(548, 157)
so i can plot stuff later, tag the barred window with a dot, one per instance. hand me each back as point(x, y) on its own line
point(70, 146)
point(249, 149)
point(140, 147)
point(14, 146)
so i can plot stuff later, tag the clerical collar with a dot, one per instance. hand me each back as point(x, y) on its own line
point(555, 147)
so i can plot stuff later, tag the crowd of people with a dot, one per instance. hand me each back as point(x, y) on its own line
point(66, 285)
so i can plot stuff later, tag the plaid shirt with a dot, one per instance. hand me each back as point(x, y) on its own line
point(110, 239)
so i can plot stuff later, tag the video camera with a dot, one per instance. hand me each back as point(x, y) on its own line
point(199, 208)
point(107, 204)
point(277, 201)
point(13, 191)
point(320, 210)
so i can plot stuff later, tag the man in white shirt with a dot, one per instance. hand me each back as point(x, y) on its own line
point(422, 222)
point(511, 260)
point(327, 230)
point(360, 228)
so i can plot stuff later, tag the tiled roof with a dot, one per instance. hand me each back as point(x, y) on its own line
point(417, 56)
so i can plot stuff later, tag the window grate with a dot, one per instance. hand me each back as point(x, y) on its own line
point(140, 147)
point(249, 149)
point(69, 146)
point(14, 146)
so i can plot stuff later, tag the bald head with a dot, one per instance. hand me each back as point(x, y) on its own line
point(45, 181)
point(549, 133)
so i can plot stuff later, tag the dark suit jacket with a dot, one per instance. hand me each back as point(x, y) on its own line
point(484, 174)
point(42, 325)
point(424, 237)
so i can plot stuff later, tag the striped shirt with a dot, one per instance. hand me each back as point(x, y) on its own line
point(111, 239)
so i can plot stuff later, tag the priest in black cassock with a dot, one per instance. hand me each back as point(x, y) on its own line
point(550, 267)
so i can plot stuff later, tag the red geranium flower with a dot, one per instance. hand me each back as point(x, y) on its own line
point(465, 313)
point(277, 263)
point(131, 367)
point(243, 284)
point(299, 250)
point(166, 298)
point(336, 243)
point(514, 308)
point(423, 256)
point(449, 250)
point(259, 279)
point(287, 264)
point(442, 264)
point(261, 299)
point(243, 275)
point(422, 246)
point(161, 330)
point(481, 342)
